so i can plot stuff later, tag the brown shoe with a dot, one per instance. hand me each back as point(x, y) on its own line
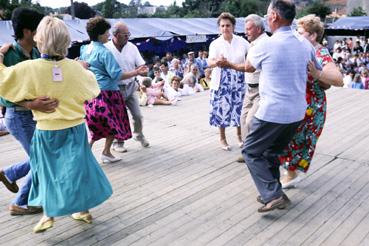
point(12, 187)
point(241, 159)
point(280, 203)
point(17, 210)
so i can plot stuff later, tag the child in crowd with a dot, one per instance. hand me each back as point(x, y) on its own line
point(357, 84)
point(205, 82)
point(154, 92)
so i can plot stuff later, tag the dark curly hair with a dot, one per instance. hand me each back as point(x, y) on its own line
point(97, 26)
point(23, 18)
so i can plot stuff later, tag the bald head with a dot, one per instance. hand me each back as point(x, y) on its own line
point(121, 34)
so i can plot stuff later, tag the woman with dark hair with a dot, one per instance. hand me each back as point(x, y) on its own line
point(106, 114)
point(227, 85)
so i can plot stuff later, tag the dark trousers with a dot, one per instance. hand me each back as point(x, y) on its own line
point(263, 144)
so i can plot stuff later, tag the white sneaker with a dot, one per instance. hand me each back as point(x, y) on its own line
point(107, 159)
point(143, 141)
point(292, 183)
point(119, 147)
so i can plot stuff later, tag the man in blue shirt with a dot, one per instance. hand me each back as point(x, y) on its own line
point(282, 59)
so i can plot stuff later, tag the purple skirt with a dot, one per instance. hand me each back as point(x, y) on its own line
point(107, 115)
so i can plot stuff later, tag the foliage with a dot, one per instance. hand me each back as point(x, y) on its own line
point(82, 10)
point(7, 6)
point(318, 8)
point(359, 11)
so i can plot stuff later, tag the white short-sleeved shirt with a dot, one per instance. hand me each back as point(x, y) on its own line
point(235, 52)
point(282, 59)
point(128, 59)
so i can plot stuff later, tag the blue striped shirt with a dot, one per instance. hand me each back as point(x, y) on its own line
point(282, 59)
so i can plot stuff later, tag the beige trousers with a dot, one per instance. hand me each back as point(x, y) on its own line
point(249, 107)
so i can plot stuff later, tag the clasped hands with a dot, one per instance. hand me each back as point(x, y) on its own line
point(222, 62)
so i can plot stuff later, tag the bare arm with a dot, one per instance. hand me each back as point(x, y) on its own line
point(330, 75)
point(43, 104)
point(141, 70)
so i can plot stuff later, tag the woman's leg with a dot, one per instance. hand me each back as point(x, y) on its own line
point(162, 102)
point(108, 143)
point(239, 136)
point(223, 139)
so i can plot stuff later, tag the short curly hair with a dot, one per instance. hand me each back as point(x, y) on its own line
point(97, 26)
point(312, 24)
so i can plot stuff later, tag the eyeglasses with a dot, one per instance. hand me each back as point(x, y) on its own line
point(126, 34)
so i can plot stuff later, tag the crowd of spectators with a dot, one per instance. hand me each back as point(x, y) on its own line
point(352, 57)
point(171, 78)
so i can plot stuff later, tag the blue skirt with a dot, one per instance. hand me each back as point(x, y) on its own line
point(226, 102)
point(66, 178)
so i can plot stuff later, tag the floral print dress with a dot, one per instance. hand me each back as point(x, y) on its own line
point(299, 152)
point(226, 102)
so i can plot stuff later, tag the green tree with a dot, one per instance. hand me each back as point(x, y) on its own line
point(359, 11)
point(319, 8)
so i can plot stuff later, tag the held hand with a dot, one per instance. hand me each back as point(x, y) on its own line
point(142, 70)
point(84, 64)
point(5, 48)
point(43, 104)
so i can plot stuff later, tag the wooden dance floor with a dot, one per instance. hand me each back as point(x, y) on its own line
point(185, 190)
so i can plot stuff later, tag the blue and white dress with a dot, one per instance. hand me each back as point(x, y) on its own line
point(227, 85)
point(226, 102)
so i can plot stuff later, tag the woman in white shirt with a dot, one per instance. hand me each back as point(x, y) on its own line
point(227, 85)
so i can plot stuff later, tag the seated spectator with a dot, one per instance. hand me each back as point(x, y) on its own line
point(191, 79)
point(357, 84)
point(365, 78)
point(165, 73)
point(205, 82)
point(155, 94)
point(176, 68)
point(173, 93)
point(347, 80)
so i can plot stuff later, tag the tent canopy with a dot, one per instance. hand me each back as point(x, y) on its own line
point(355, 25)
point(157, 28)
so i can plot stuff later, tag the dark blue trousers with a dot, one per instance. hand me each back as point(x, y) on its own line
point(263, 144)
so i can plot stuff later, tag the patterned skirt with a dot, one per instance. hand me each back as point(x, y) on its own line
point(107, 115)
point(226, 102)
point(300, 151)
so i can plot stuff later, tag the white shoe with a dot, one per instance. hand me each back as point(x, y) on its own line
point(142, 140)
point(107, 159)
point(150, 106)
point(119, 147)
point(292, 183)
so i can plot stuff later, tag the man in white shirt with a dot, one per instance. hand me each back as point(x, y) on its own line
point(128, 58)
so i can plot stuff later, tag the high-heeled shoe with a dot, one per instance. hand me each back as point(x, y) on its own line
point(42, 226)
point(224, 145)
point(108, 159)
point(85, 217)
point(292, 183)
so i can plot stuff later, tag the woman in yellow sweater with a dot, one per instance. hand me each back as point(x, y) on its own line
point(66, 178)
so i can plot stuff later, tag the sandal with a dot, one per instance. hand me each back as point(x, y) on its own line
point(43, 225)
point(85, 217)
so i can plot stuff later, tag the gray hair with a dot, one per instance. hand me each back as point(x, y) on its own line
point(114, 30)
point(257, 20)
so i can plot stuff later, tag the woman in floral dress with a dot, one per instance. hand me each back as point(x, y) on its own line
point(300, 151)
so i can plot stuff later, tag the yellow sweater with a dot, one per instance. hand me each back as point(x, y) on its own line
point(30, 79)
